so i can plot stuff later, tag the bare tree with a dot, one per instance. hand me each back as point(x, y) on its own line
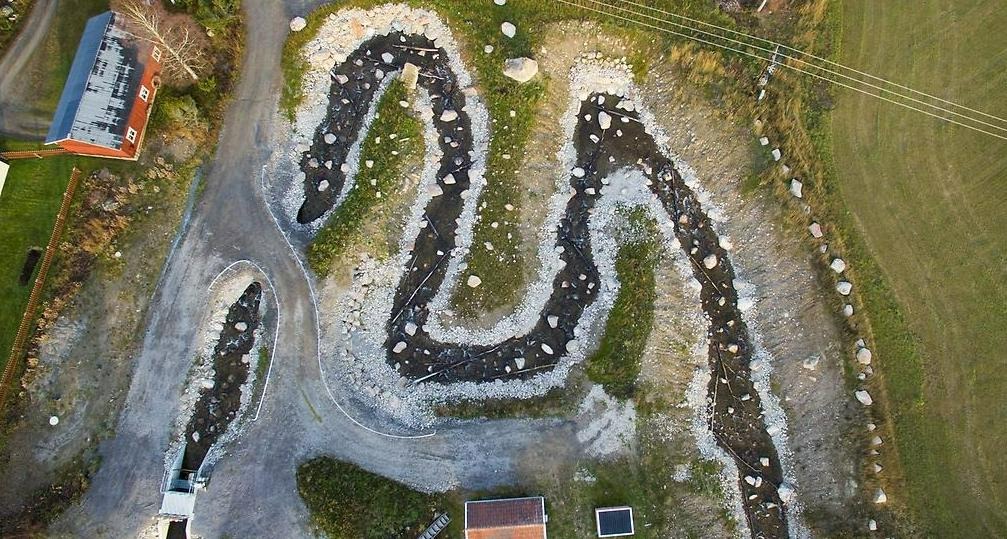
point(183, 53)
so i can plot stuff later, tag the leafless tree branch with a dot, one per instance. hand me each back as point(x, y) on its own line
point(182, 52)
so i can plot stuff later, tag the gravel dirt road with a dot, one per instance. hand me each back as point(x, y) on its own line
point(16, 117)
point(253, 491)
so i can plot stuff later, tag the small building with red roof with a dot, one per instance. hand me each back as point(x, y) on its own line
point(513, 518)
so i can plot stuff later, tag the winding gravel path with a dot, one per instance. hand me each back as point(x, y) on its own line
point(298, 420)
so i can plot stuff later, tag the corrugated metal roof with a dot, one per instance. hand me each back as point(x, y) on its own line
point(101, 86)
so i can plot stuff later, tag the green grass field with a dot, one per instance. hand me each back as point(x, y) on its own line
point(28, 209)
point(931, 201)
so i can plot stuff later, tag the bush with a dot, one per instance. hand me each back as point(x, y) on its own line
point(347, 502)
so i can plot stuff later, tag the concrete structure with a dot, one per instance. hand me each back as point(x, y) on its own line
point(179, 489)
point(108, 96)
point(514, 518)
point(614, 521)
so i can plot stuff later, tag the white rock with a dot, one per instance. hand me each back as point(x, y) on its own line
point(547, 349)
point(449, 115)
point(577, 172)
point(330, 138)
point(207, 384)
point(811, 363)
point(240, 326)
point(844, 288)
point(553, 321)
point(387, 57)
point(519, 363)
point(410, 76)
point(297, 24)
point(847, 310)
point(864, 397)
point(786, 492)
point(488, 49)
point(323, 186)
point(399, 347)
point(838, 265)
point(816, 230)
point(796, 188)
point(604, 120)
point(572, 346)
point(864, 356)
point(499, 2)
point(474, 281)
point(764, 141)
point(449, 179)
point(410, 329)
point(872, 525)
point(508, 29)
point(520, 69)
point(880, 496)
point(53, 420)
point(710, 261)
point(342, 79)
point(777, 154)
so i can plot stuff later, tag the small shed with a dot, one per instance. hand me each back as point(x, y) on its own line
point(512, 518)
point(614, 521)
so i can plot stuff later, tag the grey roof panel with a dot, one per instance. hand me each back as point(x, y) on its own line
point(100, 89)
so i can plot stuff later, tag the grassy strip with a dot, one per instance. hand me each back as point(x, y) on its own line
point(347, 502)
point(616, 363)
point(394, 138)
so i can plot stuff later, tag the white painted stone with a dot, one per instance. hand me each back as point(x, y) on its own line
point(844, 288)
point(387, 57)
point(864, 397)
point(488, 49)
point(410, 329)
point(399, 347)
point(474, 281)
point(816, 230)
point(53, 420)
point(330, 138)
point(508, 29)
point(553, 321)
point(710, 261)
point(838, 265)
point(604, 120)
point(520, 69)
point(547, 349)
point(449, 115)
point(847, 310)
point(519, 363)
point(864, 356)
point(880, 497)
point(577, 172)
point(796, 188)
point(297, 24)
point(786, 492)
point(777, 154)
point(872, 525)
point(240, 326)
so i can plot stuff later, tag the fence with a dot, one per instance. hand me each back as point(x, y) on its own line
point(17, 349)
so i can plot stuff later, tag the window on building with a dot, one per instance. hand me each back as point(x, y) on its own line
point(156, 54)
point(131, 135)
point(144, 93)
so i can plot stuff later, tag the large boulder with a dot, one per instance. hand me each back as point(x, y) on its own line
point(297, 24)
point(520, 69)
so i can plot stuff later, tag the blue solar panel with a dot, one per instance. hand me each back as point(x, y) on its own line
point(83, 61)
point(615, 522)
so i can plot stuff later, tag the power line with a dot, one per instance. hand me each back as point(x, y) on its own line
point(788, 66)
point(810, 55)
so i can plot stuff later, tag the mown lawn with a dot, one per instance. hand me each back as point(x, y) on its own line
point(931, 201)
point(28, 209)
